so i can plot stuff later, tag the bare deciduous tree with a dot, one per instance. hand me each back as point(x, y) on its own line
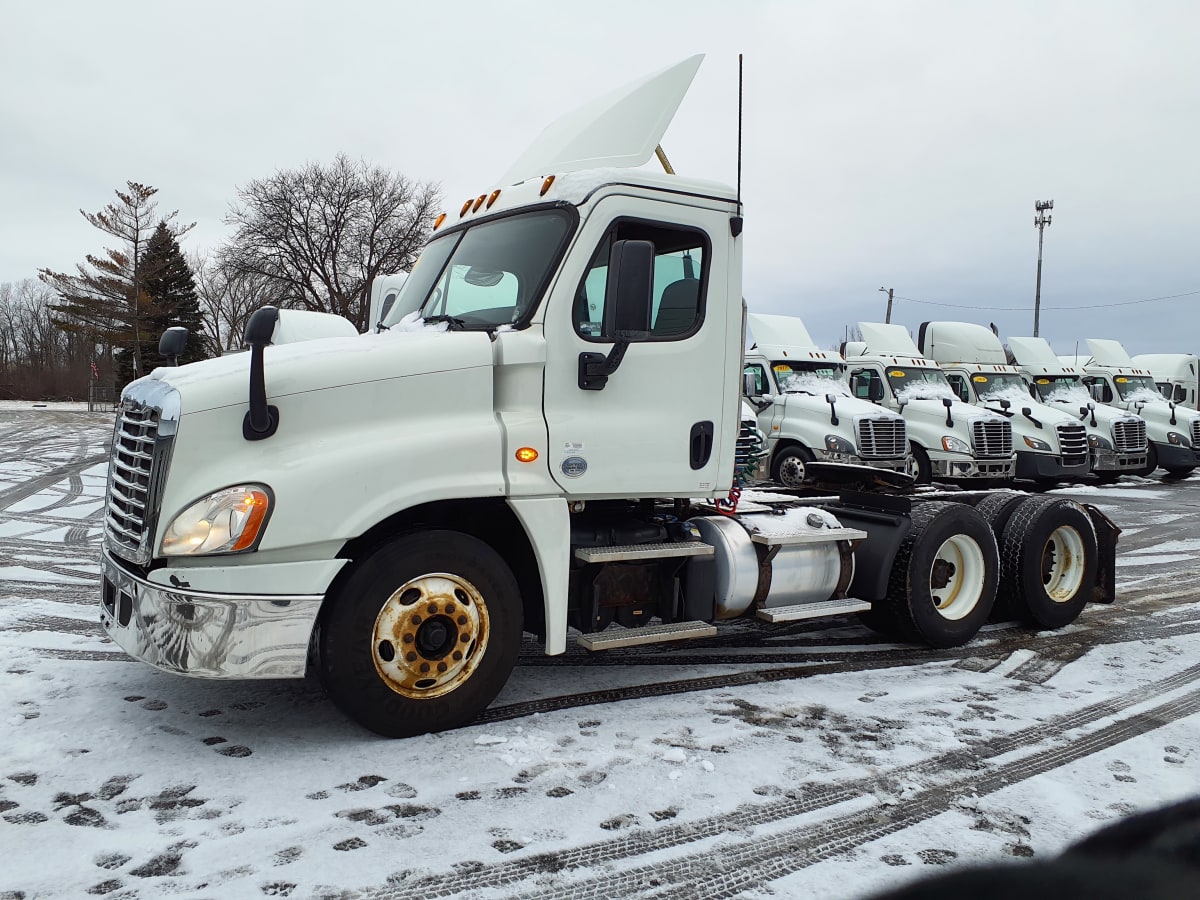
point(321, 234)
point(228, 297)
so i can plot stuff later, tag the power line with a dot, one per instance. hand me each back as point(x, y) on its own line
point(1027, 308)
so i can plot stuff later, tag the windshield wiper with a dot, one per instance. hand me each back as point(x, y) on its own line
point(453, 321)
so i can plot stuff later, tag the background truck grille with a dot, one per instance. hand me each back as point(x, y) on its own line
point(1129, 435)
point(1073, 444)
point(1195, 432)
point(141, 446)
point(992, 437)
point(882, 438)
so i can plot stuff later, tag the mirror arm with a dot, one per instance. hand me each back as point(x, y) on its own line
point(261, 420)
point(594, 368)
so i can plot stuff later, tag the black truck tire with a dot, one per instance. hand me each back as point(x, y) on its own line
point(924, 468)
point(997, 509)
point(790, 465)
point(422, 635)
point(1151, 461)
point(1048, 561)
point(943, 581)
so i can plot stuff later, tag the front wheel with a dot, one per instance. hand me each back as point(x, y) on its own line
point(943, 581)
point(791, 466)
point(1181, 471)
point(921, 468)
point(422, 634)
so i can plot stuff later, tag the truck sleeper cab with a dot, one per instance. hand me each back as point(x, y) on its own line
point(806, 409)
point(1051, 445)
point(394, 510)
point(1177, 376)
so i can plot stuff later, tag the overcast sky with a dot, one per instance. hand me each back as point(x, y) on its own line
point(895, 144)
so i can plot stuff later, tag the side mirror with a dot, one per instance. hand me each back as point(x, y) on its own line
point(749, 384)
point(901, 402)
point(628, 300)
point(171, 344)
point(831, 399)
point(261, 420)
point(875, 390)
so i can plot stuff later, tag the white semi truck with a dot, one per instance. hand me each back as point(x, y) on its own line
point(806, 409)
point(1177, 376)
point(1116, 438)
point(1173, 431)
point(951, 440)
point(1051, 445)
point(514, 453)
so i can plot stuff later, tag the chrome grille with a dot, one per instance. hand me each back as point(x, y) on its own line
point(142, 439)
point(881, 437)
point(1129, 435)
point(1073, 444)
point(992, 437)
point(1195, 432)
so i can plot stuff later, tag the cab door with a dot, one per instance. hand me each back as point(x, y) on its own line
point(664, 424)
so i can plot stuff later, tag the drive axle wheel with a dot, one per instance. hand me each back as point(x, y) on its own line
point(943, 580)
point(1048, 561)
point(791, 466)
point(422, 634)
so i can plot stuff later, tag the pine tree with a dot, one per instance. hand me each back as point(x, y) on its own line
point(170, 293)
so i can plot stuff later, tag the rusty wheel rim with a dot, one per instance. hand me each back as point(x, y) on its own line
point(430, 636)
point(1063, 564)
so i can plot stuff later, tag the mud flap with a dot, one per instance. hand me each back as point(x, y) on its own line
point(1106, 555)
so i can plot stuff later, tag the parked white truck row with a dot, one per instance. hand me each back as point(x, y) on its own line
point(393, 510)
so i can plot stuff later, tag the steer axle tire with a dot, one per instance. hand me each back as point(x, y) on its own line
point(943, 581)
point(422, 635)
point(1048, 561)
point(790, 466)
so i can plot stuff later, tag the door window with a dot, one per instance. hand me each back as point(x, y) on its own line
point(761, 384)
point(680, 278)
point(959, 384)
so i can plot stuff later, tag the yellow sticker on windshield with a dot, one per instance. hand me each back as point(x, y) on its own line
point(1043, 381)
point(1121, 380)
point(895, 373)
point(783, 370)
point(980, 379)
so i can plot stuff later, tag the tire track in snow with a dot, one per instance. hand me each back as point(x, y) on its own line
point(848, 831)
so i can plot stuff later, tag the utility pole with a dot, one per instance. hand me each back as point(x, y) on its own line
point(888, 317)
point(1040, 220)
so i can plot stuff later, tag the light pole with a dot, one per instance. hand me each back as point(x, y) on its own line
point(1040, 220)
point(888, 317)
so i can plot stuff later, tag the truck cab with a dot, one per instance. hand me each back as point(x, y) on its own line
point(806, 409)
point(1116, 438)
point(1051, 445)
point(951, 440)
point(1173, 431)
point(1177, 376)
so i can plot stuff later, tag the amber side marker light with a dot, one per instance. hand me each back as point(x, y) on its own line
point(437, 223)
point(492, 199)
point(546, 185)
point(466, 206)
point(479, 202)
point(526, 454)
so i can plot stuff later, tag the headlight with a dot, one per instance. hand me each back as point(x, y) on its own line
point(955, 445)
point(1098, 442)
point(227, 521)
point(835, 444)
point(1037, 445)
point(1179, 440)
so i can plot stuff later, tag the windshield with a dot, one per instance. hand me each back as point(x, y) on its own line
point(919, 383)
point(487, 275)
point(989, 384)
point(1060, 387)
point(1130, 385)
point(810, 377)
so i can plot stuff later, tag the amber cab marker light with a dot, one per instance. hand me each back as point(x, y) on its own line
point(466, 206)
point(479, 202)
point(437, 223)
point(526, 454)
point(492, 199)
point(546, 185)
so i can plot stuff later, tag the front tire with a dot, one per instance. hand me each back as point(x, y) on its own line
point(1048, 561)
point(791, 466)
point(943, 581)
point(922, 465)
point(422, 635)
point(1181, 471)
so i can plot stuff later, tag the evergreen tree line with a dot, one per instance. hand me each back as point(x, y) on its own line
point(312, 239)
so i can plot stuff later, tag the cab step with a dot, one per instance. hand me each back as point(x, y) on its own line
point(649, 634)
point(813, 610)
point(644, 551)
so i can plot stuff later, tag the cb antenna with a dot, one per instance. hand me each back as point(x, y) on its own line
point(739, 162)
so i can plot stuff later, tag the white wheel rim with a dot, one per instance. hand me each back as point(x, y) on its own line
point(792, 471)
point(956, 577)
point(1063, 564)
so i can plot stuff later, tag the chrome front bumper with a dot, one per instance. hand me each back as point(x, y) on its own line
point(965, 467)
point(892, 465)
point(1112, 461)
point(204, 634)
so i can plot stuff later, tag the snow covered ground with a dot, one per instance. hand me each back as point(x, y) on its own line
point(793, 761)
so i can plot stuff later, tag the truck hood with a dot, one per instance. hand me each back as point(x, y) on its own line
point(325, 363)
point(932, 408)
point(807, 404)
